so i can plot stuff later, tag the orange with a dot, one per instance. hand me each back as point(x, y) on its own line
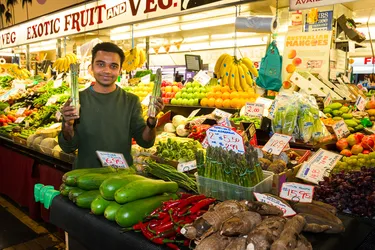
point(292, 54)
point(217, 94)
point(204, 102)
point(234, 94)
point(225, 89)
point(235, 103)
point(211, 102)
point(243, 102)
point(225, 95)
point(210, 94)
point(243, 95)
point(219, 103)
point(216, 88)
point(226, 103)
point(290, 68)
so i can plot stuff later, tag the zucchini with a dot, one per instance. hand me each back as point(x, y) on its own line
point(144, 188)
point(111, 210)
point(99, 205)
point(131, 213)
point(109, 187)
point(85, 199)
point(74, 192)
point(65, 189)
point(70, 178)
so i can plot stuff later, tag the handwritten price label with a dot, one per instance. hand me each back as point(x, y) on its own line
point(20, 111)
point(19, 119)
point(194, 113)
point(276, 143)
point(202, 78)
point(297, 192)
point(254, 109)
point(221, 113)
point(340, 129)
point(205, 142)
point(51, 100)
point(287, 210)
point(219, 136)
point(224, 122)
point(328, 100)
point(325, 158)
point(312, 173)
point(360, 103)
point(186, 166)
point(109, 159)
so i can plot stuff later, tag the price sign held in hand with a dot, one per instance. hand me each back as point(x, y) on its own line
point(276, 143)
point(218, 136)
point(361, 103)
point(297, 192)
point(340, 129)
point(109, 159)
point(254, 109)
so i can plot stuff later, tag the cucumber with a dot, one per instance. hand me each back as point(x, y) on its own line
point(131, 213)
point(65, 189)
point(74, 192)
point(84, 200)
point(144, 188)
point(111, 210)
point(92, 181)
point(112, 184)
point(99, 205)
point(70, 178)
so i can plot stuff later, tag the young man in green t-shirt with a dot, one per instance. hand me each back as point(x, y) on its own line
point(109, 117)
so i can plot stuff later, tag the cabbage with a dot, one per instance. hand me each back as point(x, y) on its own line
point(179, 120)
point(168, 127)
point(181, 131)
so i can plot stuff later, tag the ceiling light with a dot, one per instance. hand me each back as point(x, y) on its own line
point(194, 46)
point(157, 23)
point(210, 23)
point(152, 32)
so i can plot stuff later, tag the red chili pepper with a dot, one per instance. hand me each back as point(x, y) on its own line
point(190, 200)
point(170, 204)
point(166, 234)
point(161, 241)
point(148, 234)
point(183, 211)
point(154, 223)
point(201, 204)
point(164, 227)
point(155, 211)
point(138, 226)
point(173, 246)
point(187, 242)
point(201, 212)
point(184, 195)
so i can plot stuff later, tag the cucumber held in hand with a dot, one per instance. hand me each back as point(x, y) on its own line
point(85, 199)
point(131, 213)
point(144, 188)
point(99, 205)
point(109, 187)
point(111, 210)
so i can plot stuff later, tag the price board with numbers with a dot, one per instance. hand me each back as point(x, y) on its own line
point(109, 159)
point(276, 143)
point(224, 137)
point(340, 129)
point(313, 173)
point(361, 103)
point(202, 78)
point(254, 109)
point(297, 192)
point(224, 122)
point(287, 210)
point(186, 166)
point(19, 119)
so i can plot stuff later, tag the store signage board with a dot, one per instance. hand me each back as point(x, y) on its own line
point(324, 22)
point(224, 137)
point(202, 78)
point(205, 142)
point(194, 113)
point(340, 129)
point(186, 166)
point(146, 79)
point(58, 115)
point(308, 4)
point(297, 192)
point(361, 103)
point(57, 83)
point(20, 86)
point(276, 143)
point(109, 159)
point(254, 109)
point(327, 100)
point(20, 111)
point(287, 210)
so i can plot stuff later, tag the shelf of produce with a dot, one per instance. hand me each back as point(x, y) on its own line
point(186, 110)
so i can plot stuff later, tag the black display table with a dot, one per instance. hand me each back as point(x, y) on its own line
point(95, 232)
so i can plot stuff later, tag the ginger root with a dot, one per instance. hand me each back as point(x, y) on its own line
point(238, 243)
point(289, 236)
point(213, 242)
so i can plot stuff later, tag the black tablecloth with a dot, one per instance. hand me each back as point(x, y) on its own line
point(95, 232)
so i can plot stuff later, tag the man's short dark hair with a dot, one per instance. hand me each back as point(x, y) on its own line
point(108, 47)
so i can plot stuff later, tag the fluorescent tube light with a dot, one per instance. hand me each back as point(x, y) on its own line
point(208, 23)
point(162, 30)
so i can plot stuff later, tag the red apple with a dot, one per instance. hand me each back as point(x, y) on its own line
point(163, 94)
point(346, 152)
point(372, 137)
point(367, 143)
point(352, 140)
point(366, 152)
point(359, 136)
point(356, 149)
point(342, 144)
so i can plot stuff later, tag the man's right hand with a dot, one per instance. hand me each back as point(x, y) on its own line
point(69, 113)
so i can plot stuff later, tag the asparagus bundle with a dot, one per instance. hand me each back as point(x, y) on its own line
point(156, 92)
point(74, 70)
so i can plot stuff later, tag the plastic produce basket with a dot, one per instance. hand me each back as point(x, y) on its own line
point(227, 191)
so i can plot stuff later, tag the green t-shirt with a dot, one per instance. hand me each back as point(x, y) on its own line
point(107, 122)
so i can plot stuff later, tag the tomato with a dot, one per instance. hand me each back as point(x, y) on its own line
point(2, 120)
point(12, 118)
point(5, 124)
point(8, 121)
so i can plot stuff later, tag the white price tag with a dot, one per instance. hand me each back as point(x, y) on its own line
point(297, 192)
point(168, 78)
point(312, 173)
point(205, 142)
point(276, 143)
point(57, 83)
point(194, 113)
point(146, 79)
point(219, 136)
point(361, 103)
point(20, 111)
point(202, 78)
point(224, 122)
point(19, 119)
point(60, 76)
point(325, 158)
point(51, 100)
point(146, 100)
point(19, 86)
point(340, 129)
point(186, 166)
point(109, 159)
point(267, 104)
point(7, 109)
point(58, 115)
point(328, 100)
point(221, 113)
point(254, 109)
point(287, 210)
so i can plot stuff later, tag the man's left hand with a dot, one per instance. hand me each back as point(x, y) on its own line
point(159, 105)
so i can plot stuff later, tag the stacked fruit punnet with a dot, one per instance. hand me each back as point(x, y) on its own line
point(134, 58)
point(63, 63)
point(236, 73)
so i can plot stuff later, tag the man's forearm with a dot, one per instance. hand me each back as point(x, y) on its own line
point(149, 134)
point(68, 132)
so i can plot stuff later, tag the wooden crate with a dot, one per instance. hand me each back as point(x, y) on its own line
point(287, 176)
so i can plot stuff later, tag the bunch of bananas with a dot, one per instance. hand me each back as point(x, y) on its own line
point(15, 71)
point(63, 63)
point(236, 73)
point(134, 58)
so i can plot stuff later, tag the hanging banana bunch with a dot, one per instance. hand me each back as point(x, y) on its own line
point(63, 64)
point(236, 73)
point(134, 58)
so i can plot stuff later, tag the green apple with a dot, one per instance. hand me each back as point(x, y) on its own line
point(196, 102)
point(196, 84)
point(188, 85)
point(204, 90)
point(189, 96)
point(196, 89)
point(178, 101)
point(190, 102)
point(185, 102)
point(178, 95)
point(202, 95)
point(174, 101)
point(183, 90)
point(190, 90)
point(184, 95)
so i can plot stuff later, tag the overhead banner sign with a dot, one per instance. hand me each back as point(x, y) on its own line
point(98, 15)
point(307, 4)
